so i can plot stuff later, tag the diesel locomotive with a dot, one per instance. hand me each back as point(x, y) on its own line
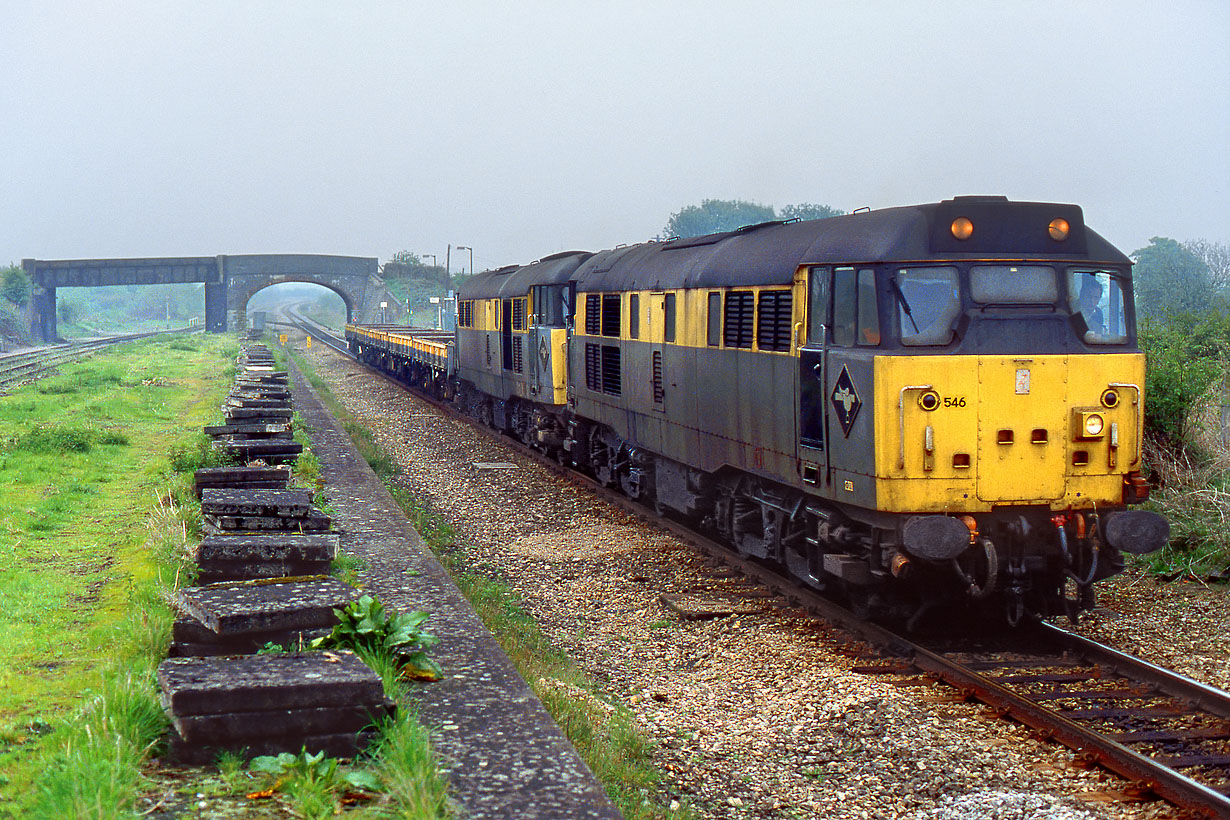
point(929, 406)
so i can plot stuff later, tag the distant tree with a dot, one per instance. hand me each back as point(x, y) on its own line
point(15, 286)
point(67, 310)
point(1170, 279)
point(409, 265)
point(409, 259)
point(1216, 257)
point(806, 210)
point(714, 215)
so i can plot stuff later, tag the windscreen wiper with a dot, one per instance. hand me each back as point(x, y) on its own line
point(905, 303)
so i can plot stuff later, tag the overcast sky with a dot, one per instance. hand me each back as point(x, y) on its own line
point(525, 128)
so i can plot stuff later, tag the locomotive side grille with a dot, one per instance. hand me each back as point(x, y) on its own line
point(593, 314)
point(602, 369)
point(518, 316)
point(610, 314)
point(773, 320)
point(518, 362)
point(612, 383)
point(740, 319)
point(659, 394)
point(593, 366)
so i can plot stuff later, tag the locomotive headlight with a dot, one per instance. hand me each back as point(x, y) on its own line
point(962, 228)
point(1059, 229)
point(1093, 425)
point(1088, 424)
point(1110, 398)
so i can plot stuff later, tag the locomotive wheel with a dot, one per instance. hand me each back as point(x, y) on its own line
point(602, 461)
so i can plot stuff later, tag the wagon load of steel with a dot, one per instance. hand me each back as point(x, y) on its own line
point(247, 556)
point(286, 510)
point(268, 704)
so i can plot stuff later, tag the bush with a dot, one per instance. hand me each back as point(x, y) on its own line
point(200, 452)
point(66, 439)
point(15, 286)
point(1184, 353)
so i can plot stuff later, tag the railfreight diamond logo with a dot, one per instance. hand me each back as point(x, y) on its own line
point(846, 401)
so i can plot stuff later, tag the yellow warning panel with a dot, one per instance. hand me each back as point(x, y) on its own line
point(309, 342)
point(282, 339)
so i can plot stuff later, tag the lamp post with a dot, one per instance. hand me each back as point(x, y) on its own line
point(471, 250)
point(434, 263)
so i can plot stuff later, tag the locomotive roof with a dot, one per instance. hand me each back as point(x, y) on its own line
point(516, 280)
point(769, 253)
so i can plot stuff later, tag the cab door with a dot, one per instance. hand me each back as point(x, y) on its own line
point(813, 375)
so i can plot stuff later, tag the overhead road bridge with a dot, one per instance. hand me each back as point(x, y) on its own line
point(230, 281)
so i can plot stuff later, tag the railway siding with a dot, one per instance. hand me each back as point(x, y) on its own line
point(507, 757)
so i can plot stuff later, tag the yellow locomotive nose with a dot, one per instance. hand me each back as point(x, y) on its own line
point(986, 431)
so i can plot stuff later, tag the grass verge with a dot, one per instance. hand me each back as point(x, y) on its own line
point(603, 733)
point(93, 521)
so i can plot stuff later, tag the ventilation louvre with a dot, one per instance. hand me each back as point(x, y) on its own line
point(659, 393)
point(773, 325)
point(739, 319)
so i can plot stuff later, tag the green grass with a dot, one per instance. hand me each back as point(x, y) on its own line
point(93, 521)
point(603, 733)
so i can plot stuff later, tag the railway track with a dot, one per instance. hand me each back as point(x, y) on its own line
point(1166, 734)
point(17, 368)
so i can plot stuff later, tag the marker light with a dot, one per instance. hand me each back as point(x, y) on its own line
point(1110, 398)
point(1093, 425)
point(1059, 229)
point(962, 228)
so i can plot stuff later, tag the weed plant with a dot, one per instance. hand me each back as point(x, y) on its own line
point(1193, 493)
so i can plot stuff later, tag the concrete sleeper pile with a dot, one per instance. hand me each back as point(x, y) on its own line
point(263, 565)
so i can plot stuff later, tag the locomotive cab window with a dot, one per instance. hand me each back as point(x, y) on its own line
point(845, 306)
point(1095, 297)
point(549, 302)
point(818, 304)
point(928, 304)
point(1013, 285)
point(868, 309)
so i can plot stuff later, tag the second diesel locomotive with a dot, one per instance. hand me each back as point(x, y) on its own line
point(909, 407)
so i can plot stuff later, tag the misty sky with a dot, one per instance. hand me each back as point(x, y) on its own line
point(525, 128)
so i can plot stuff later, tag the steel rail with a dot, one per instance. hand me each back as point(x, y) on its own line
point(1141, 770)
point(19, 367)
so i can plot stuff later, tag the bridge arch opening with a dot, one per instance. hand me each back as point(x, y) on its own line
point(329, 306)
